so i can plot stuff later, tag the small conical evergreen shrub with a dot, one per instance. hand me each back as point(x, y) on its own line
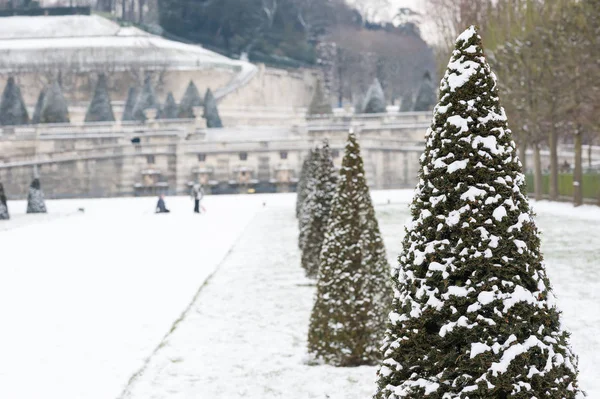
point(145, 100)
point(37, 112)
point(169, 109)
point(132, 96)
point(408, 102)
point(310, 185)
point(354, 290)
point(191, 98)
point(316, 210)
point(54, 107)
point(426, 95)
point(211, 112)
point(4, 215)
point(473, 315)
point(100, 109)
point(374, 102)
point(319, 105)
point(35, 199)
point(302, 181)
point(12, 107)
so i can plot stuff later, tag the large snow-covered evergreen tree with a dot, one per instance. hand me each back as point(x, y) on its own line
point(191, 98)
point(132, 96)
point(35, 199)
point(310, 185)
point(319, 104)
point(12, 107)
point(4, 215)
point(302, 181)
point(100, 109)
point(354, 290)
point(54, 107)
point(316, 210)
point(145, 100)
point(37, 112)
point(425, 99)
point(211, 112)
point(474, 315)
point(374, 102)
point(169, 109)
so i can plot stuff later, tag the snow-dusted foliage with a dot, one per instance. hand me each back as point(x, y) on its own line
point(54, 107)
point(100, 109)
point(12, 106)
point(309, 186)
point(354, 290)
point(319, 105)
point(35, 199)
point(374, 102)
point(37, 112)
point(132, 96)
point(408, 102)
point(4, 215)
point(169, 109)
point(302, 181)
point(191, 98)
point(426, 99)
point(211, 112)
point(473, 315)
point(145, 100)
point(315, 211)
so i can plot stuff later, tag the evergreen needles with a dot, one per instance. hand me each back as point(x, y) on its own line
point(35, 199)
point(319, 105)
point(211, 112)
point(473, 314)
point(100, 109)
point(54, 106)
point(4, 215)
point(12, 107)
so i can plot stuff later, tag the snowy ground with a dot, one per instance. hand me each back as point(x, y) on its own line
point(88, 301)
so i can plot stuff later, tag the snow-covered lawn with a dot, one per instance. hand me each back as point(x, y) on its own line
point(86, 298)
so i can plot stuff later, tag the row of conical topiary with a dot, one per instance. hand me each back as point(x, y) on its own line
point(35, 200)
point(51, 106)
point(472, 314)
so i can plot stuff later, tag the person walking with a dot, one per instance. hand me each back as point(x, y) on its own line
point(197, 195)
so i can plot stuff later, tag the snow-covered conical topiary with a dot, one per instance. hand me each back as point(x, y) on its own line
point(37, 112)
point(132, 96)
point(145, 100)
point(374, 102)
point(354, 290)
point(319, 105)
point(474, 315)
point(35, 199)
point(169, 109)
point(4, 215)
point(54, 107)
point(426, 95)
point(408, 102)
point(191, 98)
point(306, 206)
point(316, 210)
point(100, 109)
point(12, 107)
point(211, 112)
point(302, 181)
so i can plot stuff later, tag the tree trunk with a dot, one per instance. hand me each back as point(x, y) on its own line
point(537, 173)
point(523, 155)
point(553, 163)
point(578, 172)
point(141, 4)
point(124, 10)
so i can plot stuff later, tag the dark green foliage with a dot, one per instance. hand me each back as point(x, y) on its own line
point(354, 290)
point(320, 104)
point(145, 100)
point(304, 208)
point(54, 107)
point(100, 109)
point(190, 99)
point(169, 109)
point(374, 102)
point(132, 96)
point(211, 112)
point(474, 315)
point(426, 95)
point(316, 209)
point(37, 113)
point(408, 102)
point(4, 215)
point(35, 199)
point(12, 106)
point(302, 181)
